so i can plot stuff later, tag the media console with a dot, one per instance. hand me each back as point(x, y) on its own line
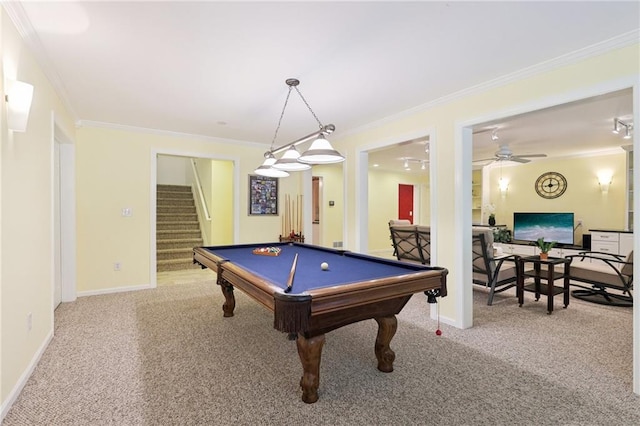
point(602, 240)
point(527, 249)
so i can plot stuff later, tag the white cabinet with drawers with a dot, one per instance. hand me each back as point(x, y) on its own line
point(606, 242)
point(519, 249)
point(612, 242)
point(626, 243)
point(529, 250)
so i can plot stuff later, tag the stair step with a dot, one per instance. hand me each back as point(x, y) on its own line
point(173, 188)
point(161, 195)
point(174, 254)
point(172, 234)
point(175, 202)
point(175, 265)
point(176, 209)
point(179, 217)
point(187, 243)
point(175, 226)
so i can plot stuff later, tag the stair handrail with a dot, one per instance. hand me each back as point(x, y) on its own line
point(203, 201)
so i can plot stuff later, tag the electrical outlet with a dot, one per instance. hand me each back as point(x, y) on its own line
point(117, 266)
point(29, 321)
point(127, 212)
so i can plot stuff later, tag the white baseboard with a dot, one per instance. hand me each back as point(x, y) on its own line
point(15, 392)
point(115, 290)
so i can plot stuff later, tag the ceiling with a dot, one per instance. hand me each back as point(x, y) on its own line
point(579, 128)
point(218, 69)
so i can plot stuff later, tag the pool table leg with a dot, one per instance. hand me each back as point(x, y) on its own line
point(310, 351)
point(229, 299)
point(387, 327)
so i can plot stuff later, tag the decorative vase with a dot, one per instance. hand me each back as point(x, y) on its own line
point(492, 220)
point(544, 256)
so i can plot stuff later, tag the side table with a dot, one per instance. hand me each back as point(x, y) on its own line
point(549, 275)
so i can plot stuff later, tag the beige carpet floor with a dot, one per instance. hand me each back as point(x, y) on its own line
point(168, 357)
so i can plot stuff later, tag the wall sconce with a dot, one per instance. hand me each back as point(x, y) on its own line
point(503, 184)
point(18, 97)
point(604, 180)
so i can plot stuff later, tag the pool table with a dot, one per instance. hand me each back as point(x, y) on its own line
point(355, 287)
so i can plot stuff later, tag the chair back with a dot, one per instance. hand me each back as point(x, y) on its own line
point(405, 243)
point(400, 222)
point(482, 255)
point(424, 242)
point(627, 269)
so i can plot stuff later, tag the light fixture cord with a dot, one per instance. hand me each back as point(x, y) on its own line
point(307, 104)
point(275, 135)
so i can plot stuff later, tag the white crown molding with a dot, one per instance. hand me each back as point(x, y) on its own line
point(135, 129)
point(618, 42)
point(19, 18)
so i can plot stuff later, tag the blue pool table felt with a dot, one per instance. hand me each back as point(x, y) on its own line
point(309, 275)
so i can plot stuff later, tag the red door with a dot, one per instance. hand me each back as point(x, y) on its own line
point(405, 202)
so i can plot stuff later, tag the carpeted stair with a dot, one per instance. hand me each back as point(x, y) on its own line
point(177, 228)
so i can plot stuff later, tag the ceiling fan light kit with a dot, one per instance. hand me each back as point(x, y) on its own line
point(504, 153)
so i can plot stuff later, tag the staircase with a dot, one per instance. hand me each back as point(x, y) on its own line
point(177, 228)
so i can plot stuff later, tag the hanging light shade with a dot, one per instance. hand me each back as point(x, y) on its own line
point(321, 152)
point(289, 161)
point(266, 169)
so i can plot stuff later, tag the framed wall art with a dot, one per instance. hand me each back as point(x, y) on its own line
point(263, 195)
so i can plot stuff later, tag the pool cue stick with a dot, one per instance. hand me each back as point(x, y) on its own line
point(286, 223)
point(300, 217)
point(291, 274)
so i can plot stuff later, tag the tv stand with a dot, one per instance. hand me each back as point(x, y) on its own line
point(526, 248)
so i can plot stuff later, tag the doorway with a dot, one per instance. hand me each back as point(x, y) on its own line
point(57, 244)
point(63, 213)
point(405, 202)
point(231, 186)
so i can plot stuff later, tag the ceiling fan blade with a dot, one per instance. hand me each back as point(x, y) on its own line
point(485, 159)
point(532, 155)
point(518, 159)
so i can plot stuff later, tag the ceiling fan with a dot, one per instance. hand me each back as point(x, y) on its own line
point(504, 153)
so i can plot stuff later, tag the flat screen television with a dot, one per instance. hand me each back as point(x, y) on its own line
point(550, 226)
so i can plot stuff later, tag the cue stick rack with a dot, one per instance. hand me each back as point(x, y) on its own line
point(292, 220)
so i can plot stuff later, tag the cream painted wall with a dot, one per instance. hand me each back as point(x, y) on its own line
point(445, 118)
point(173, 170)
point(383, 204)
point(102, 194)
point(583, 195)
point(221, 195)
point(26, 225)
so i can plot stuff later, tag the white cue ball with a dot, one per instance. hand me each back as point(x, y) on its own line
point(324, 266)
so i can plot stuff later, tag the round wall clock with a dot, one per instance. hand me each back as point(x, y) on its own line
point(551, 185)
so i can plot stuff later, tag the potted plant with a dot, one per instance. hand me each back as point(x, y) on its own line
point(544, 247)
point(501, 235)
point(491, 209)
